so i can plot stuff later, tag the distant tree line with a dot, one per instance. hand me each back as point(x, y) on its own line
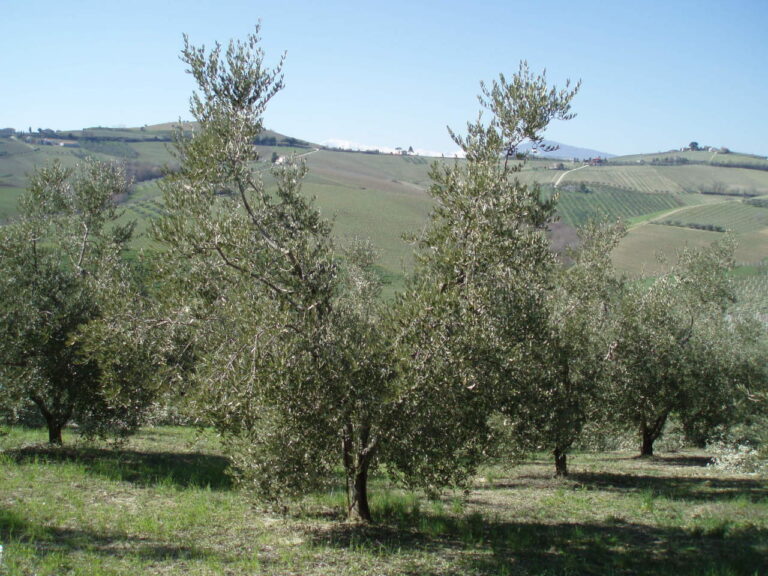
point(694, 225)
point(286, 141)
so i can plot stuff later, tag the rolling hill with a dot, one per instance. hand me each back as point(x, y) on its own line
point(669, 199)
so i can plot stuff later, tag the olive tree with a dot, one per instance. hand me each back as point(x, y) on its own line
point(676, 351)
point(61, 268)
point(296, 362)
point(572, 357)
point(290, 363)
point(475, 315)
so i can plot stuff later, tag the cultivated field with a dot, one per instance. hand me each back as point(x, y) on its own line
point(734, 216)
point(576, 208)
point(383, 197)
point(638, 253)
point(164, 505)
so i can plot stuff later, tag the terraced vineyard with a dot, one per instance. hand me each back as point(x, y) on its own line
point(575, 208)
point(672, 179)
point(713, 179)
point(647, 179)
point(737, 217)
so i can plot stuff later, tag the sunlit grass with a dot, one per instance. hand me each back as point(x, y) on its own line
point(164, 504)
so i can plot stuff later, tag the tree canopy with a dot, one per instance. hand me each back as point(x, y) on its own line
point(61, 265)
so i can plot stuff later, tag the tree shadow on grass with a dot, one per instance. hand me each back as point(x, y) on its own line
point(182, 469)
point(480, 546)
point(675, 488)
point(686, 461)
point(49, 541)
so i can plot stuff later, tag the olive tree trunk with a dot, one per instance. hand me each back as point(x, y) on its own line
point(357, 463)
point(561, 462)
point(53, 420)
point(650, 432)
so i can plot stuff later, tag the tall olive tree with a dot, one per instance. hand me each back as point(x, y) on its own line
point(61, 267)
point(290, 363)
point(476, 311)
point(296, 363)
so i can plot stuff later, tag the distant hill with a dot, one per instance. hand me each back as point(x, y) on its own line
point(668, 199)
point(564, 151)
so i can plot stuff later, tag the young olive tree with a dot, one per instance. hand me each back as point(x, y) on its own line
point(61, 267)
point(289, 361)
point(573, 358)
point(677, 351)
point(476, 312)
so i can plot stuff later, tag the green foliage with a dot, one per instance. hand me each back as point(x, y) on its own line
point(289, 364)
point(62, 269)
point(573, 369)
point(676, 351)
point(474, 314)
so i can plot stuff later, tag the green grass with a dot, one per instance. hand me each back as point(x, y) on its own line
point(9, 200)
point(163, 504)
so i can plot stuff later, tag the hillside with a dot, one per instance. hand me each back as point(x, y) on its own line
point(669, 199)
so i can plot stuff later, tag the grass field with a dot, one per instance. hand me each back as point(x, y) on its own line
point(164, 505)
point(9, 200)
point(637, 253)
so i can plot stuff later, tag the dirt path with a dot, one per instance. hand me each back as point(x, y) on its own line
point(564, 174)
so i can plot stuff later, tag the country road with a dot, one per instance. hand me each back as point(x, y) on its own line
point(308, 153)
point(564, 174)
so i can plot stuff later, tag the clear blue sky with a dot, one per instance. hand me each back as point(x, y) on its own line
point(656, 74)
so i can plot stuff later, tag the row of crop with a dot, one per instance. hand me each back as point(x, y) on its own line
point(632, 184)
point(146, 208)
point(739, 217)
point(576, 208)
